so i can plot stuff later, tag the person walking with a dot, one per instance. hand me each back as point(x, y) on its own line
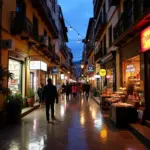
point(67, 90)
point(59, 89)
point(40, 94)
point(50, 96)
point(79, 90)
point(74, 90)
point(87, 90)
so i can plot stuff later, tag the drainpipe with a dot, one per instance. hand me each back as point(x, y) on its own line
point(1, 3)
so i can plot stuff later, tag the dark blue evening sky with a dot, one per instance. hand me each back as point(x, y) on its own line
point(77, 13)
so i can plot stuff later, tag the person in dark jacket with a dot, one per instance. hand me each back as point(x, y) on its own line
point(67, 90)
point(87, 90)
point(40, 94)
point(50, 96)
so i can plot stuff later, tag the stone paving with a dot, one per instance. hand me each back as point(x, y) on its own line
point(79, 126)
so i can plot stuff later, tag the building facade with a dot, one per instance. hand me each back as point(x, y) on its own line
point(31, 40)
point(122, 45)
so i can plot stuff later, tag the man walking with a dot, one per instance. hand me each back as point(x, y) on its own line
point(67, 90)
point(87, 90)
point(50, 95)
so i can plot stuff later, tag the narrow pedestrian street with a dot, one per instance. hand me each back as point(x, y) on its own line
point(79, 126)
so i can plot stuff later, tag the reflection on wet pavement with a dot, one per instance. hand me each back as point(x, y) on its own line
point(79, 126)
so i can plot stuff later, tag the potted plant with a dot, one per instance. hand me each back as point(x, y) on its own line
point(4, 91)
point(13, 108)
point(4, 74)
point(30, 97)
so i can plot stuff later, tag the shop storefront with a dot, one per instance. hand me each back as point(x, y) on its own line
point(145, 49)
point(38, 75)
point(110, 78)
point(15, 84)
point(131, 72)
point(109, 64)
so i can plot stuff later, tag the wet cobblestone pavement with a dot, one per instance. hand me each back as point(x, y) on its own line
point(79, 126)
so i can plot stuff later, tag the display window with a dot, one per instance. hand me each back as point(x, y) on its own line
point(109, 78)
point(15, 84)
point(131, 71)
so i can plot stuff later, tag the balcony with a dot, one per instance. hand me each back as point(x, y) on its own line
point(114, 2)
point(64, 51)
point(51, 49)
point(64, 67)
point(45, 14)
point(98, 55)
point(97, 6)
point(47, 48)
point(43, 41)
point(57, 59)
point(100, 26)
point(132, 22)
point(89, 49)
point(21, 25)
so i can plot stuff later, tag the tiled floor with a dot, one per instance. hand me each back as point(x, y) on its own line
point(79, 126)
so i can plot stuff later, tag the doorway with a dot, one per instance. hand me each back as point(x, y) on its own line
point(147, 84)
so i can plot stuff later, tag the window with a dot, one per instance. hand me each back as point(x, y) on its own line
point(49, 41)
point(35, 25)
point(109, 4)
point(110, 36)
point(45, 32)
point(104, 46)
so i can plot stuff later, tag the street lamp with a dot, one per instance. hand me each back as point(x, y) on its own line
point(82, 66)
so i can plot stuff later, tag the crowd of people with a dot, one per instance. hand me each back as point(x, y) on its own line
point(76, 89)
point(50, 94)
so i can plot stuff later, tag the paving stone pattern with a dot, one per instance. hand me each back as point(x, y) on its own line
point(79, 126)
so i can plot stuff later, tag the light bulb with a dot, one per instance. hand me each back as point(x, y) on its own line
point(70, 28)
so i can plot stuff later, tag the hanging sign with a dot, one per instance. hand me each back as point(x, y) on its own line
point(145, 39)
point(90, 68)
point(54, 70)
point(102, 72)
point(108, 73)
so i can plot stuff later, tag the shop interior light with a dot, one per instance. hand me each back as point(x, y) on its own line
point(108, 77)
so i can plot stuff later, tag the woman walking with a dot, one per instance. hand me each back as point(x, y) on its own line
point(40, 94)
point(74, 90)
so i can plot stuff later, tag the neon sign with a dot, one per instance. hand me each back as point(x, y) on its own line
point(145, 39)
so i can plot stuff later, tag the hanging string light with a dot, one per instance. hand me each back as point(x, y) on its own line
point(70, 28)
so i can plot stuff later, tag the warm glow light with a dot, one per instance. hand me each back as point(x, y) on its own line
point(108, 77)
point(103, 134)
point(62, 110)
point(145, 39)
point(82, 120)
point(82, 66)
point(94, 114)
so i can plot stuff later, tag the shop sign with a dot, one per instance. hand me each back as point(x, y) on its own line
point(54, 70)
point(96, 76)
point(35, 65)
point(38, 65)
point(130, 68)
point(43, 66)
point(90, 68)
point(102, 72)
point(62, 76)
point(145, 39)
point(108, 73)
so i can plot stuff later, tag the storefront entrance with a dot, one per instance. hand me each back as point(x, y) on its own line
point(15, 85)
point(147, 84)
